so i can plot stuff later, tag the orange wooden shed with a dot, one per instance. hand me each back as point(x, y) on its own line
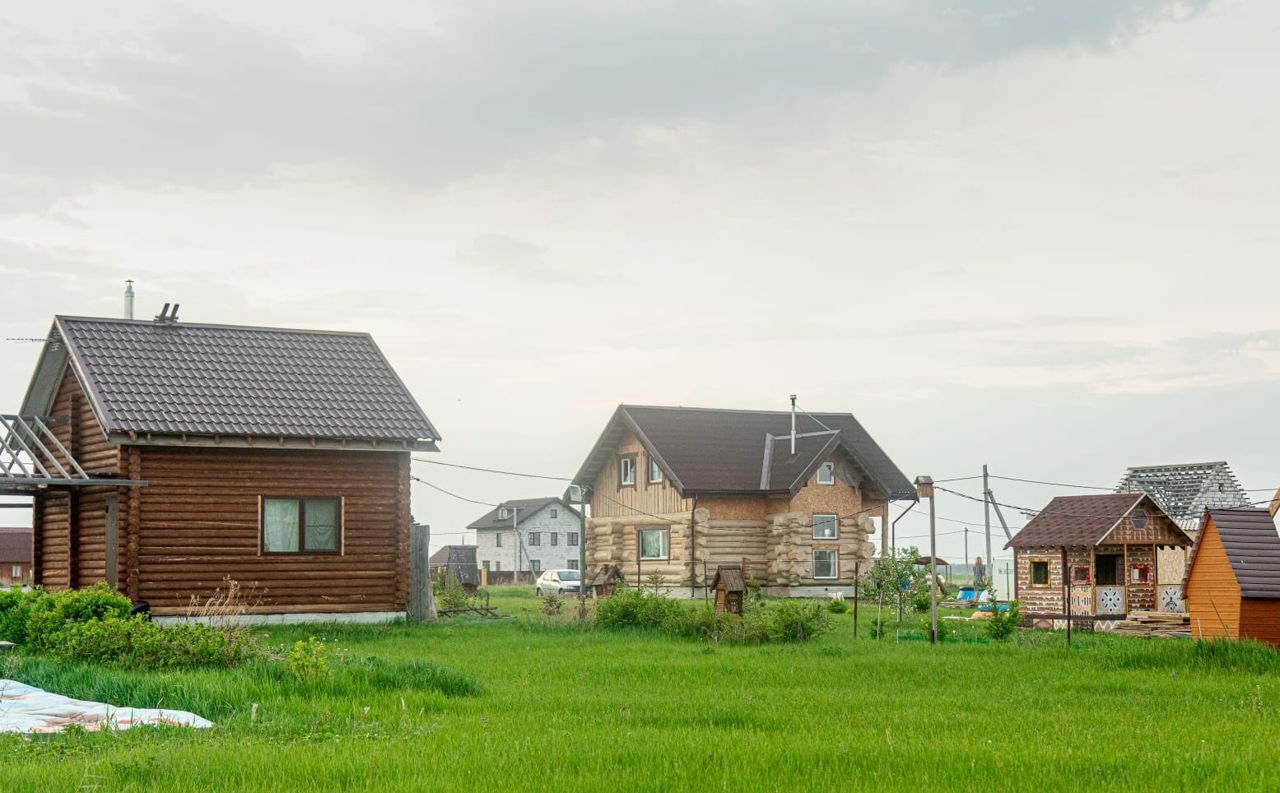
point(1232, 586)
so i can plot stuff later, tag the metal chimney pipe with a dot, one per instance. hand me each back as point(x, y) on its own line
point(128, 299)
point(793, 425)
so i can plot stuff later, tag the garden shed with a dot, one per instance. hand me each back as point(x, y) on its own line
point(1094, 558)
point(1233, 581)
point(730, 588)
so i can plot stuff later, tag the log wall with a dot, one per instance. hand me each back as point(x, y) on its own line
point(198, 523)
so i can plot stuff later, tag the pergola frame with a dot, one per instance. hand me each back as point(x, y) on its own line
point(32, 458)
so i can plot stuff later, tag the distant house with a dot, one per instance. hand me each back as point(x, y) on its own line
point(1097, 553)
point(677, 492)
point(15, 556)
point(528, 535)
point(459, 561)
point(1186, 490)
point(165, 457)
point(1233, 582)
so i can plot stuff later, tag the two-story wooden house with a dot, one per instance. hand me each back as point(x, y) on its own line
point(165, 457)
point(676, 492)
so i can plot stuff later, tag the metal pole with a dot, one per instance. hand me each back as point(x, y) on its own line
point(933, 561)
point(966, 546)
point(515, 537)
point(857, 574)
point(582, 558)
point(986, 517)
point(1066, 593)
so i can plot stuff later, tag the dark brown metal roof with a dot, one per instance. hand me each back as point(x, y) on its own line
point(706, 450)
point(1075, 521)
point(460, 560)
point(1253, 548)
point(15, 546)
point(193, 379)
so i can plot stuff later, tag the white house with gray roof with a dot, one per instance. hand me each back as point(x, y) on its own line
point(528, 535)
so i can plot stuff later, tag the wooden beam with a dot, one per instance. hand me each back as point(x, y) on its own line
point(113, 540)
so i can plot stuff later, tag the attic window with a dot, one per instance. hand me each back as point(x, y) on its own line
point(1139, 519)
point(504, 513)
point(827, 474)
point(627, 471)
point(655, 473)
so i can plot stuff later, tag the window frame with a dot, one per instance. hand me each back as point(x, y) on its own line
point(835, 526)
point(666, 545)
point(1140, 567)
point(835, 564)
point(655, 472)
point(555, 513)
point(340, 530)
point(571, 539)
point(535, 566)
point(16, 571)
point(555, 538)
point(1088, 575)
point(535, 538)
point(572, 564)
point(504, 513)
point(830, 468)
point(497, 539)
point(623, 461)
point(1031, 574)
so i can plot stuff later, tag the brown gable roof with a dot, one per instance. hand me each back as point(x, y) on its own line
point(1253, 549)
point(706, 450)
point(1082, 520)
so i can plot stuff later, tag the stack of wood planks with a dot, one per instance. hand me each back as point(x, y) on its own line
point(1155, 623)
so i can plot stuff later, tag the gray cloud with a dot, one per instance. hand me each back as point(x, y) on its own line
point(209, 103)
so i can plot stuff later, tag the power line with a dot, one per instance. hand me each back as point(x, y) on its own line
point(493, 470)
point(1050, 484)
point(451, 493)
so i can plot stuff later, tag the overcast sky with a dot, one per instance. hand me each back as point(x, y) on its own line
point(1031, 233)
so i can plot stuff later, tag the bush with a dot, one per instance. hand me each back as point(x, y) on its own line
point(552, 605)
point(138, 643)
point(633, 608)
point(791, 621)
point(33, 618)
point(839, 606)
point(1003, 624)
point(309, 660)
point(920, 601)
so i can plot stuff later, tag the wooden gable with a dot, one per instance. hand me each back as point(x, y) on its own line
point(1158, 529)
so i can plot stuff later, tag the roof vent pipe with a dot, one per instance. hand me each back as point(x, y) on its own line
point(128, 299)
point(793, 425)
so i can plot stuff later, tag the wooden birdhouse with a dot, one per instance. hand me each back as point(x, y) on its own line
point(730, 588)
point(605, 581)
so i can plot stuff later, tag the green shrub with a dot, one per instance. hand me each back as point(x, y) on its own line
point(1003, 624)
point(138, 643)
point(789, 621)
point(920, 602)
point(309, 659)
point(552, 605)
point(32, 619)
point(839, 606)
point(635, 608)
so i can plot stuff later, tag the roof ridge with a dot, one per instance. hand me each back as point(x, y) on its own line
point(810, 413)
point(214, 325)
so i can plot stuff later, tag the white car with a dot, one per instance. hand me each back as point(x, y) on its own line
point(559, 582)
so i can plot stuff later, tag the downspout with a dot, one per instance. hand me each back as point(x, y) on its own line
point(693, 548)
point(893, 530)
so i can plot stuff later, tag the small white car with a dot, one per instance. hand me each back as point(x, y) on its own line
point(559, 582)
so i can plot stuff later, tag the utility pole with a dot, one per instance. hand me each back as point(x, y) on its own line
point(966, 546)
point(986, 520)
point(515, 538)
point(924, 489)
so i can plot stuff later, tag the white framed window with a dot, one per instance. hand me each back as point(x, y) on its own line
point(827, 474)
point(655, 543)
point(535, 538)
point(826, 563)
point(572, 564)
point(655, 473)
point(17, 572)
point(497, 539)
point(535, 565)
point(555, 513)
point(504, 513)
point(626, 471)
point(571, 538)
point(555, 538)
point(826, 527)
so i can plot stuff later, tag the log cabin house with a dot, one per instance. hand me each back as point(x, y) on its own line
point(1095, 555)
point(1232, 587)
point(676, 492)
point(15, 556)
point(165, 458)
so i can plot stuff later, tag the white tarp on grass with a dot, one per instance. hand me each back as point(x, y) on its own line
point(27, 709)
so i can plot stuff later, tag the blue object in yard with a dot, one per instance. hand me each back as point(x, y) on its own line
point(967, 594)
point(996, 607)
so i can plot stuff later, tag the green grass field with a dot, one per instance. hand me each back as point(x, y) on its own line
point(555, 706)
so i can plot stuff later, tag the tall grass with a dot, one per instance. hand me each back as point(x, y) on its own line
point(550, 704)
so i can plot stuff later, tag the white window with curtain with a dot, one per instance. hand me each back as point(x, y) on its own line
point(655, 544)
point(301, 525)
point(626, 471)
point(655, 473)
point(826, 563)
point(826, 527)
